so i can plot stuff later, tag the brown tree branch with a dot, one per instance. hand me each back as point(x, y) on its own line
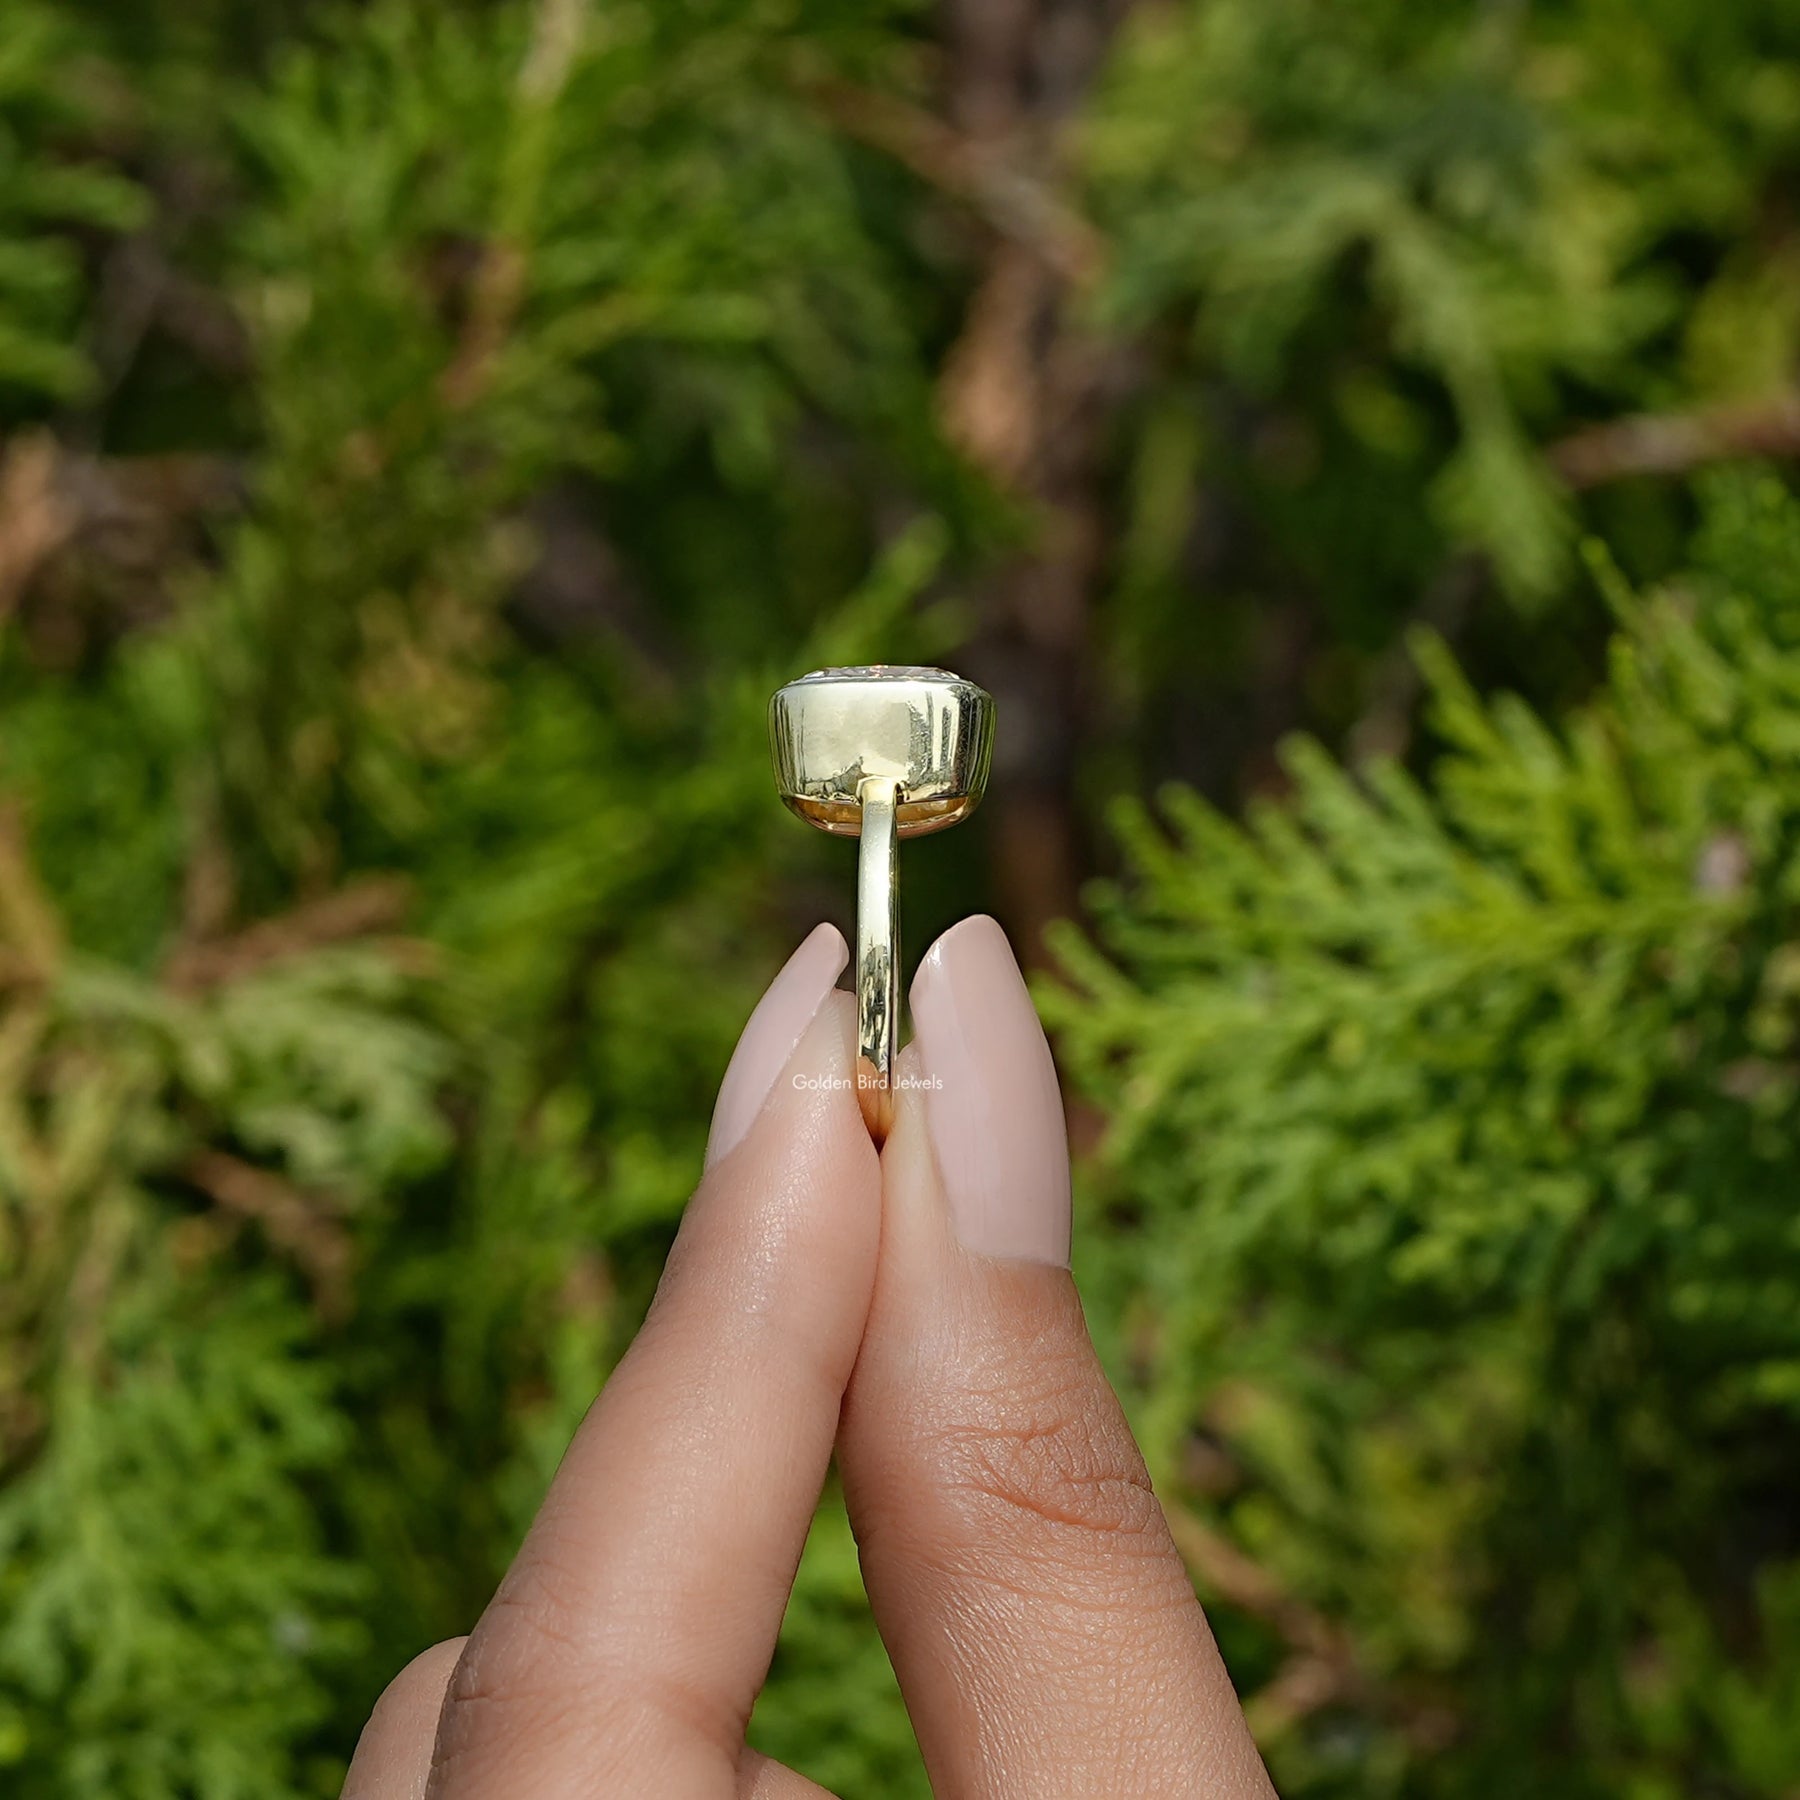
point(36, 515)
point(1320, 1646)
point(1028, 393)
point(1322, 1668)
point(123, 520)
point(990, 178)
point(305, 1225)
point(371, 905)
point(502, 277)
point(1674, 443)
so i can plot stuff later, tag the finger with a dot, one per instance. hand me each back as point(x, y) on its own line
point(1045, 1633)
point(393, 1755)
point(761, 1779)
point(626, 1644)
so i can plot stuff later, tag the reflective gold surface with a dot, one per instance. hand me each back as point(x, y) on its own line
point(880, 753)
point(929, 731)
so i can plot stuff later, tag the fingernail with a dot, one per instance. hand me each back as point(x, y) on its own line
point(778, 1024)
point(992, 1104)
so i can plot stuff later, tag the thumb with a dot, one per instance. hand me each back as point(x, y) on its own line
point(1042, 1625)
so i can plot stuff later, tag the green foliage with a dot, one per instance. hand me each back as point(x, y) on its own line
point(172, 1607)
point(1384, 254)
point(319, 1237)
point(1452, 1156)
point(415, 404)
point(45, 188)
point(430, 427)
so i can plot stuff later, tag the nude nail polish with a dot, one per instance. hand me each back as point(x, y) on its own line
point(776, 1026)
point(993, 1107)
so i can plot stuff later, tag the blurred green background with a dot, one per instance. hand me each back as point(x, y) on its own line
point(1351, 439)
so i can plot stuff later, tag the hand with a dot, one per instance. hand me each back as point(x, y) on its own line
point(914, 1309)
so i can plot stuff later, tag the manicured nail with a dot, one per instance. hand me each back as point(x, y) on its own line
point(778, 1024)
point(992, 1104)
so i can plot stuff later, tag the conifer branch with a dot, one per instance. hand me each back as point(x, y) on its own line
point(28, 919)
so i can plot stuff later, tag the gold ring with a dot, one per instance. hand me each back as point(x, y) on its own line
point(880, 753)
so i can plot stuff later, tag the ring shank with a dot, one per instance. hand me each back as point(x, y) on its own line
point(877, 950)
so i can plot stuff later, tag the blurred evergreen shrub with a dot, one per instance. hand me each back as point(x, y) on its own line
point(1447, 1217)
point(385, 874)
point(429, 429)
point(1385, 259)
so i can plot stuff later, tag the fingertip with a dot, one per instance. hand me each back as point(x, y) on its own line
point(979, 933)
point(805, 1155)
point(916, 1234)
point(992, 1103)
point(772, 1034)
point(810, 1118)
point(393, 1755)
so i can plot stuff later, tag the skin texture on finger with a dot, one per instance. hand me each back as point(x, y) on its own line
point(1043, 1627)
point(393, 1755)
point(627, 1643)
point(761, 1779)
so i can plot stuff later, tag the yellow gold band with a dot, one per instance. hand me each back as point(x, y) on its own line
point(880, 753)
